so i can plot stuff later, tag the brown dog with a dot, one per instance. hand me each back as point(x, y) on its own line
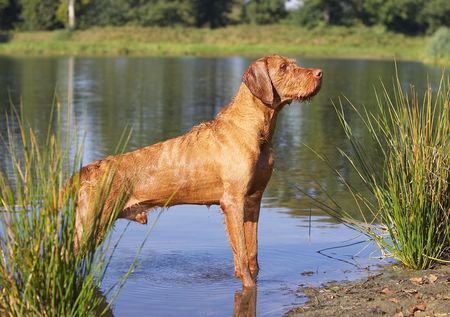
point(226, 161)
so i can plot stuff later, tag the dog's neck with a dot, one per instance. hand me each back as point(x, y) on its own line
point(251, 115)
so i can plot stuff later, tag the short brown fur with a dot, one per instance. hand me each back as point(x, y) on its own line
point(227, 161)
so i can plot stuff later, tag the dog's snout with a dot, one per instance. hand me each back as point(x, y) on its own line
point(317, 73)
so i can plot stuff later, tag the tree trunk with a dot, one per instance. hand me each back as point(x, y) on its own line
point(71, 9)
point(327, 14)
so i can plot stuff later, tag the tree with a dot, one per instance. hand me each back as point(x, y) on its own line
point(164, 13)
point(211, 13)
point(105, 12)
point(9, 13)
point(265, 11)
point(68, 11)
point(436, 14)
point(71, 14)
point(335, 12)
point(39, 14)
point(405, 16)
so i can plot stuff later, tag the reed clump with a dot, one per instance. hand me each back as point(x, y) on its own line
point(42, 272)
point(408, 182)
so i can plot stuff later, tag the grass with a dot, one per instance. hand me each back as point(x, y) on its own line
point(234, 40)
point(41, 271)
point(409, 179)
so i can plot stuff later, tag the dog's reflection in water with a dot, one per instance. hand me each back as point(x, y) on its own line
point(245, 303)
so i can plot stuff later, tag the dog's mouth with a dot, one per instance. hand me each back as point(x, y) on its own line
point(306, 94)
point(304, 97)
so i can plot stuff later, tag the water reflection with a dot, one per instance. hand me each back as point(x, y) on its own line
point(245, 303)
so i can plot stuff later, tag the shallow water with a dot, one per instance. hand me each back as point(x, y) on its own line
point(186, 266)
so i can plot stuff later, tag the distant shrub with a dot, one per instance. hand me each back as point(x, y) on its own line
point(265, 11)
point(164, 13)
point(39, 15)
point(439, 47)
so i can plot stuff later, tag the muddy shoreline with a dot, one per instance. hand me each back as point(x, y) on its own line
point(391, 291)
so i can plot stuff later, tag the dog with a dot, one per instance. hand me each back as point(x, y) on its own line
point(227, 161)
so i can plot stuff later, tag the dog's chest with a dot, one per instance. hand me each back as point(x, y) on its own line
point(263, 169)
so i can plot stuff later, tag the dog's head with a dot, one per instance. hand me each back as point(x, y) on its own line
point(277, 80)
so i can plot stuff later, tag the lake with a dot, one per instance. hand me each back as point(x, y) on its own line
point(186, 266)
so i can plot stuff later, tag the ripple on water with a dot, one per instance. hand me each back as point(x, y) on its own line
point(182, 268)
point(178, 280)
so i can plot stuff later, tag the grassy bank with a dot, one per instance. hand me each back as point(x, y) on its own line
point(243, 40)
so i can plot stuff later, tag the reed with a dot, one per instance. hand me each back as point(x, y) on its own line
point(406, 205)
point(42, 273)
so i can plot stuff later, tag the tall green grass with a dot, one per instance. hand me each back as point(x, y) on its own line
point(407, 210)
point(41, 271)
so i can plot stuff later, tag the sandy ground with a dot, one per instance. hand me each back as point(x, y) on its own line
point(390, 292)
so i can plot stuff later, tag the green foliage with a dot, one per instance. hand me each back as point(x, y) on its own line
point(164, 13)
point(39, 14)
point(9, 13)
point(62, 10)
point(105, 13)
point(211, 13)
point(404, 16)
point(317, 12)
point(265, 11)
point(410, 16)
point(438, 49)
point(410, 192)
point(436, 13)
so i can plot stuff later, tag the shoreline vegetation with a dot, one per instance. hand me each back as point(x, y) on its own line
point(248, 40)
point(45, 269)
point(408, 202)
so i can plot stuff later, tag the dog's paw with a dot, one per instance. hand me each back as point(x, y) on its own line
point(141, 218)
point(254, 272)
point(254, 267)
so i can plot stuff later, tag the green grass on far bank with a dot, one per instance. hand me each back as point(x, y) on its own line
point(249, 40)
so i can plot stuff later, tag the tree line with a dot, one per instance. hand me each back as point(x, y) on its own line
point(405, 16)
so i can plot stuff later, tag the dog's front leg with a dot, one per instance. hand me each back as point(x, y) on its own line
point(251, 217)
point(233, 208)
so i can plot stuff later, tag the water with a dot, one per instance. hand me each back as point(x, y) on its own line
point(186, 267)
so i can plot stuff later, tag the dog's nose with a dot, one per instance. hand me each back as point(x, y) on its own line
point(317, 73)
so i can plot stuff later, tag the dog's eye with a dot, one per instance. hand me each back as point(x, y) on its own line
point(283, 66)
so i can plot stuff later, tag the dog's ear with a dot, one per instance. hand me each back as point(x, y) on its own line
point(257, 80)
